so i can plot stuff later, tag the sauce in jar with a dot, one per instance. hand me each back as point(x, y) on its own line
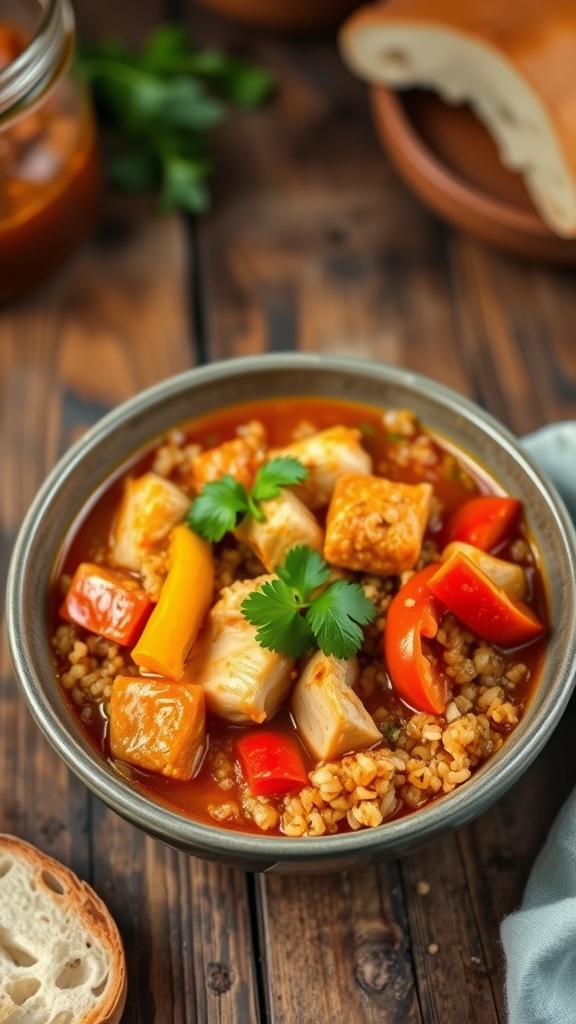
point(49, 170)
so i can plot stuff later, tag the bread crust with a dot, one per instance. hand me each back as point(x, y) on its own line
point(56, 882)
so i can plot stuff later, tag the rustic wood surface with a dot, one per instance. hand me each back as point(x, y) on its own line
point(312, 244)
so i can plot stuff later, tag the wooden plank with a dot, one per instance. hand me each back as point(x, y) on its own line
point(348, 932)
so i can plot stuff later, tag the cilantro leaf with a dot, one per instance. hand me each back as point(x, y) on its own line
point(218, 508)
point(336, 616)
point(160, 104)
point(284, 471)
point(222, 503)
point(304, 570)
point(292, 619)
point(281, 627)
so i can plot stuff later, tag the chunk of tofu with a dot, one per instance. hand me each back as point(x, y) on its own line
point(242, 681)
point(157, 724)
point(508, 575)
point(149, 508)
point(330, 716)
point(326, 455)
point(287, 522)
point(376, 525)
point(239, 458)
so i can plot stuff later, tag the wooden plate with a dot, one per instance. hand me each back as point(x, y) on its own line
point(449, 159)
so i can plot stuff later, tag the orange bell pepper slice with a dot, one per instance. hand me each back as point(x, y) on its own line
point(107, 602)
point(184, 600)
point(415, 613)
point(483, 521)
point(271, 763)
point(481, 605)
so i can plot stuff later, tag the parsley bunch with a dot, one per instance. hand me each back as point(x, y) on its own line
point(224, 502)
point(160, 103)
point(293, 614)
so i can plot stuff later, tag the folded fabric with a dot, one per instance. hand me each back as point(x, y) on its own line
point(539, 939)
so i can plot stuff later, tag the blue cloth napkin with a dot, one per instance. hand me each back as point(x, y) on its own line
point(539, 938)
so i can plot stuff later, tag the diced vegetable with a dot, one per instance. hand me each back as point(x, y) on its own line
point(107, 602)
point(184, 600)
point(150, 507)
point(508, 575)
point(481, 605)
point(157, 724)
point(330, 716)
point(415, 613)
point(272, 764)
point(483, 521)
point(242, 681)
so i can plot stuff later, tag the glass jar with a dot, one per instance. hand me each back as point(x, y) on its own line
point(49, 170)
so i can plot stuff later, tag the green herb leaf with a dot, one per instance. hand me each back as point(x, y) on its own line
point(335, 618)
point(281, 628)
point(161, 103)
point(304, 570)
point(291, 619)
point(222, 503)
point(276, 474)
point(218, 508)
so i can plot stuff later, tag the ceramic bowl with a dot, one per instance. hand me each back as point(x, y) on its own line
point(132, 426)
point(447, 157)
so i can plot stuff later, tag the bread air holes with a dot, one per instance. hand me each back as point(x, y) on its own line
point(64, 1017)
point(75, 973)
point(5, 864)
point(11, 950)
point(395, 65)
point(21, 989)
point(53, 883)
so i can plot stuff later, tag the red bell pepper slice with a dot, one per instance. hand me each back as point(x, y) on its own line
point(107, 602)
point(415, 613)
point(272, 763)
point(483, 521)
point(485, 608)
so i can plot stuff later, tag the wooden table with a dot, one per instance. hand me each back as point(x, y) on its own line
point(313, 244)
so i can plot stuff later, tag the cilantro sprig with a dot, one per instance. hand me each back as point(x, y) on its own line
point(293, 614)
point(223, 503)
point(160, 103)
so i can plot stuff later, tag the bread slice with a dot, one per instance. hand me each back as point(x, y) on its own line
point(513, 62)
point(61, 955)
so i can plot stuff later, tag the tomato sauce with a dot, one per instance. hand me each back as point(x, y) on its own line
point(49, 175)
point(455, 478)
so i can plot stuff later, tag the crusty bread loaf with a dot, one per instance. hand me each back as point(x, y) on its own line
point(61, 955)
point(512, 61)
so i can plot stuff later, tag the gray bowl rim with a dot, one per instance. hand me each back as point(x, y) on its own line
point(451, 811)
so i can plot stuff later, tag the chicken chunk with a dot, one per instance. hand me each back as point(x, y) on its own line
point(329, 715)
point(326, 455)
point(287, 523)
point(242, 681)
point(239, 458)
point(376, 525)
point(149, 508)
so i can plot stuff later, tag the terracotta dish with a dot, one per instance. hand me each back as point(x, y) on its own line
point(450, 161)
point(286, 15)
